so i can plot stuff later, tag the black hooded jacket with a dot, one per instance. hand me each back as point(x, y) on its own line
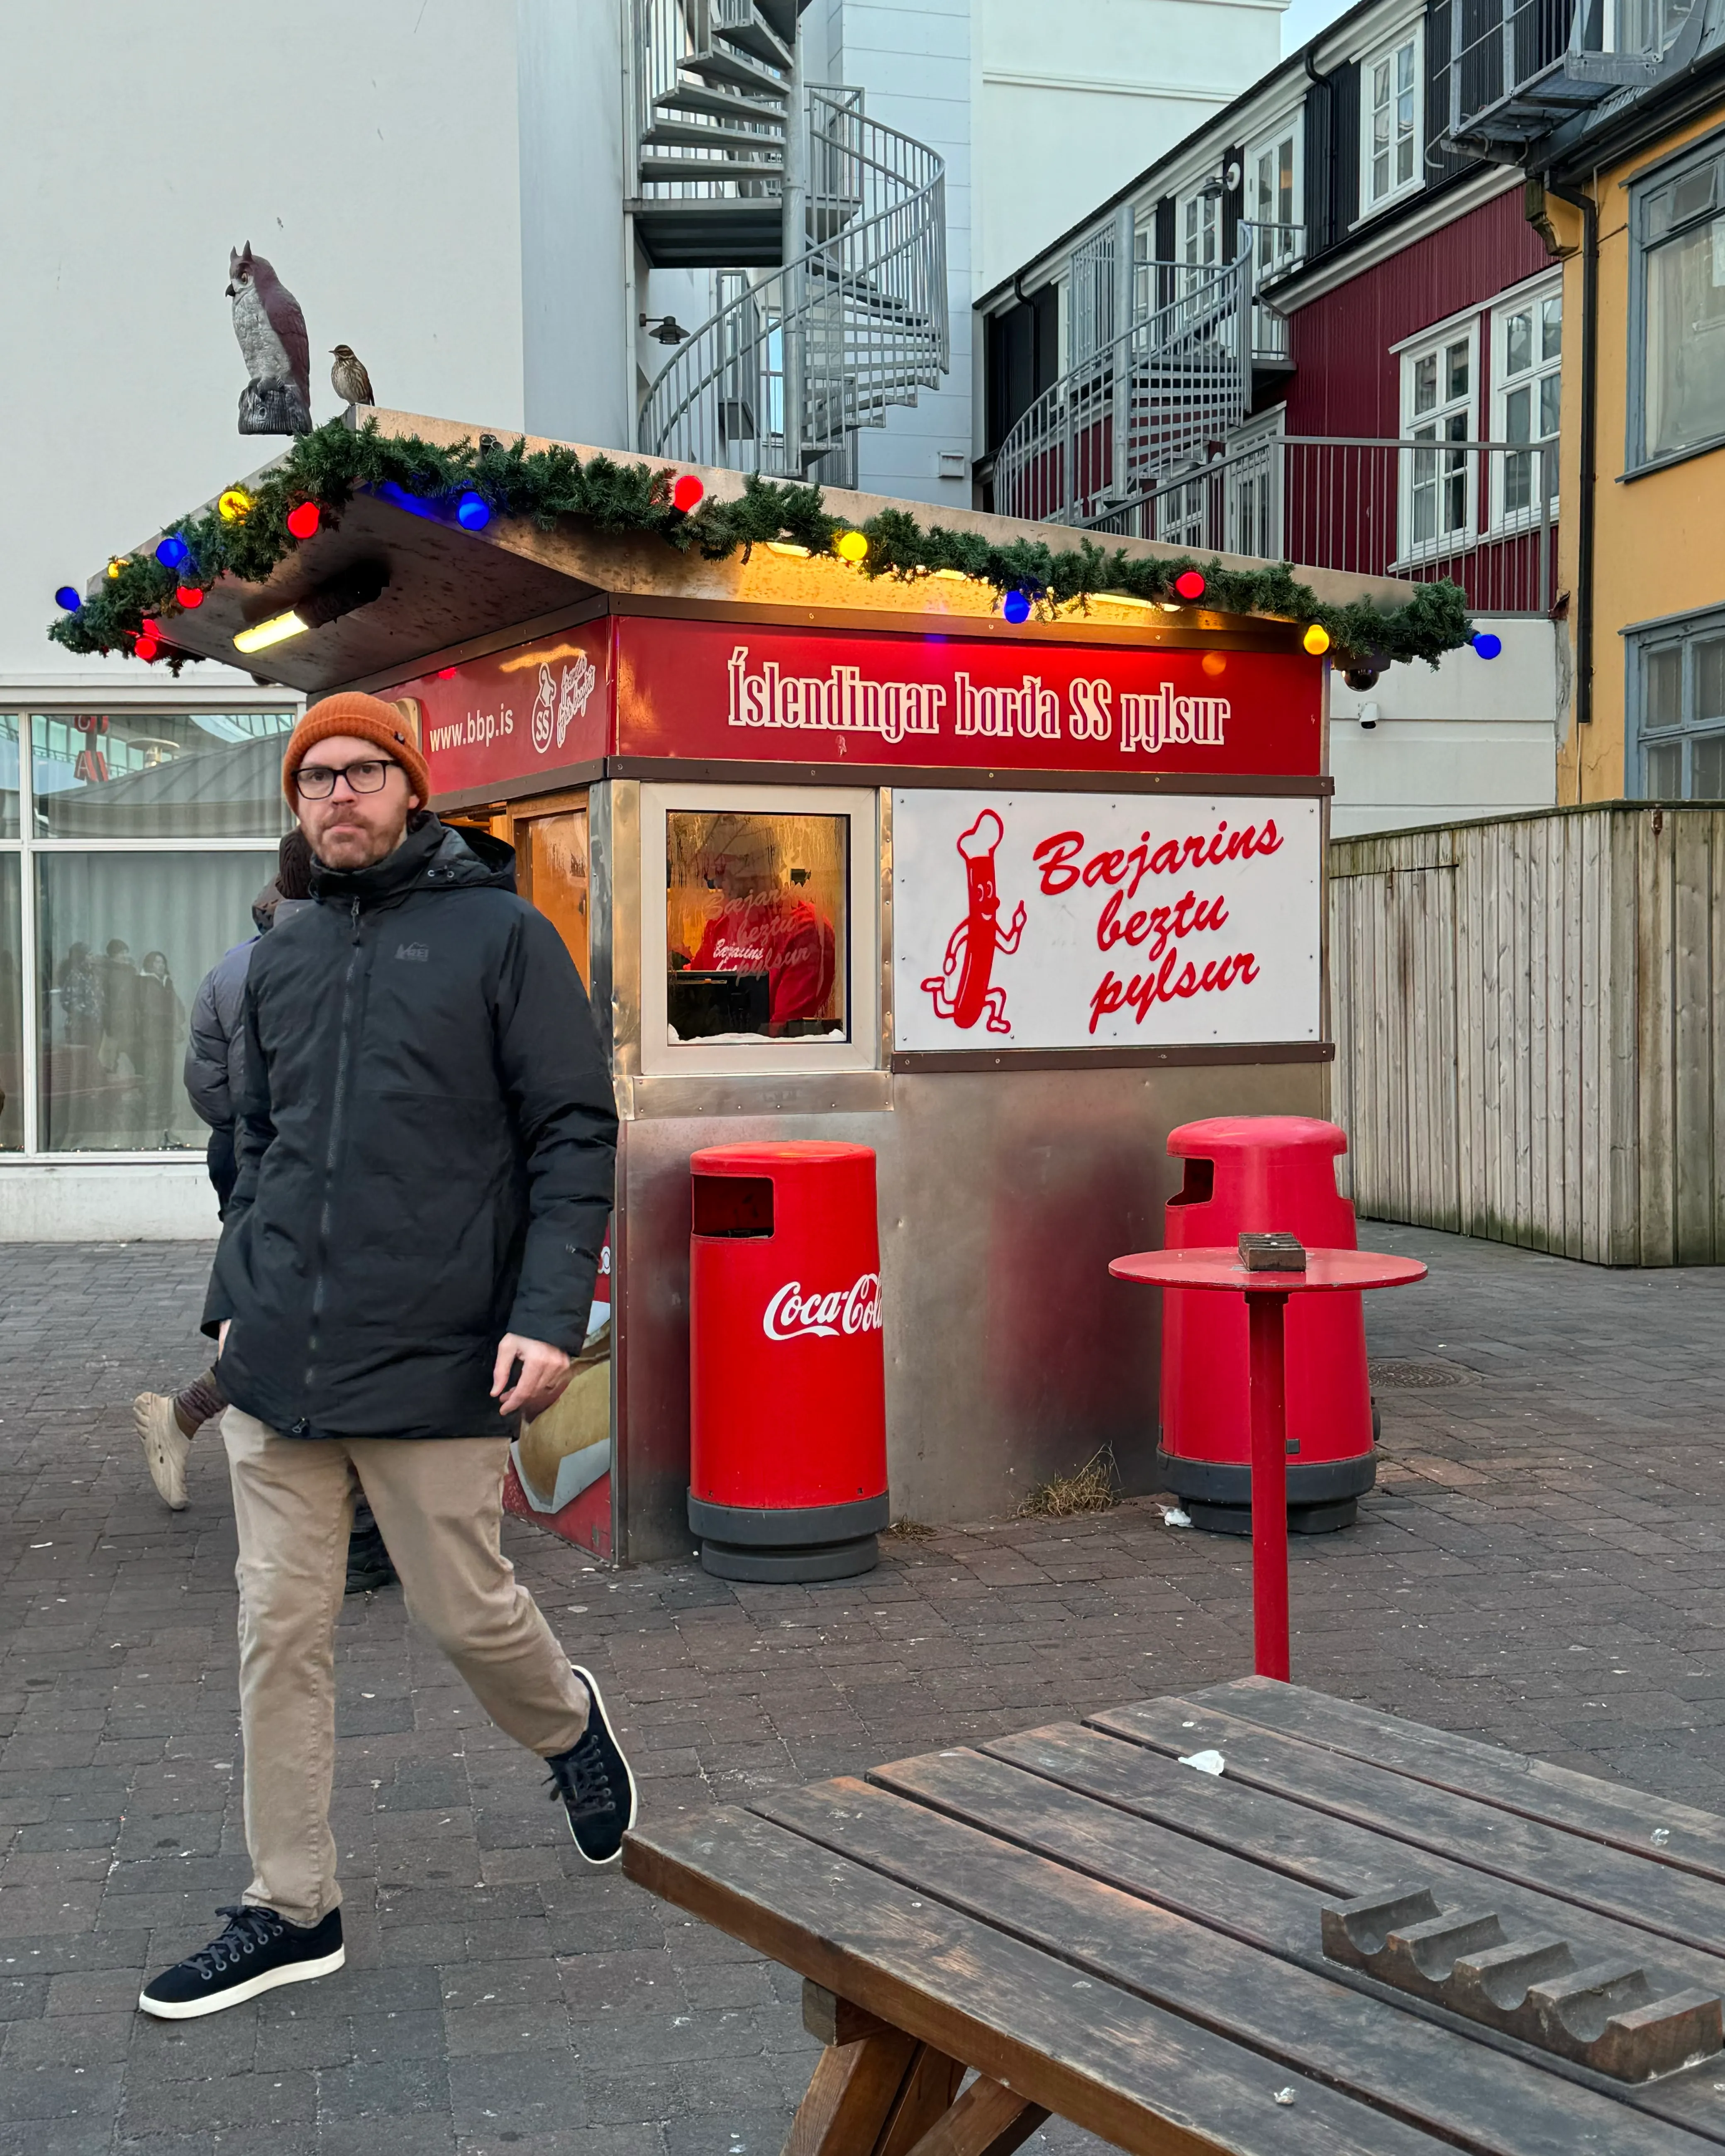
point(426, 1138)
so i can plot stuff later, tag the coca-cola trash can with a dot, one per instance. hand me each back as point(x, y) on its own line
point(787, 1384)
point(1255, 1174)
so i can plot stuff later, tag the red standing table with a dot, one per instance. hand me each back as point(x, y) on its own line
point(1266, 1295)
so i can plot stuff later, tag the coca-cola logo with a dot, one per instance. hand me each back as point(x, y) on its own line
point(791, 1315)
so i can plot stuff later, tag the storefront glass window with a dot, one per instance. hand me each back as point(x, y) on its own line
point(8, 776)
point(147, 775)
point(12, 1009)
point(122, 941)
point(756, 928)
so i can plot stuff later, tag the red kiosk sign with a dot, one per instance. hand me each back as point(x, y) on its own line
point(641, 685)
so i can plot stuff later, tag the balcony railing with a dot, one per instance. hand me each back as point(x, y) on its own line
point(1521, 68)
point(1483, 513)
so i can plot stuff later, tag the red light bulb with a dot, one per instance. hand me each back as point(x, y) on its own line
point(189, 597)
point(445, 673)
point(1189, 585)
point(687, 493)
point(146, 648)
point(303, 521)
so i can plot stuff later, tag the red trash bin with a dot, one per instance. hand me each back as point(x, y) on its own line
point(1255, 1174)
point(787, 1383)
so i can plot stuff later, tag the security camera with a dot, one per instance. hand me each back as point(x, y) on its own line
point(1361, 677)
point(1367, 718)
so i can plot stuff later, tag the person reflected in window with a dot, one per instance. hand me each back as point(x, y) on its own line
point(765, 926)
point(161, 1025)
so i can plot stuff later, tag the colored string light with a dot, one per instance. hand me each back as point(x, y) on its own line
point(303, 520)
point(1190, 584)
point(1016, 607)
point(115, 565)
point(1316, 640)
point(235, 506)
point(1487, 645)
point(473, 512)
point(687, 492)
point(69, 598)
point(851, 547)
point(189, 597)
point(172, 552)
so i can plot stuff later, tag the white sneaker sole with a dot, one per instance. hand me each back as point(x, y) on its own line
point(166, 1446)
point(606, 1863)
point(191, 2009)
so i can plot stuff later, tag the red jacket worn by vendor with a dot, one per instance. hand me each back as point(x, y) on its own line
point(783, 938)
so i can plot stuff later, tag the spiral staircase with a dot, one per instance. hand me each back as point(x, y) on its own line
point(829, 231)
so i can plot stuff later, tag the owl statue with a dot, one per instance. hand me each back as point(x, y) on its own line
point(271, 331)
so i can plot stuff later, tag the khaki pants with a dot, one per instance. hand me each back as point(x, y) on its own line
point(439, 1502)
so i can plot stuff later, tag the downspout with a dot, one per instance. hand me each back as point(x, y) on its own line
point(1584, 509)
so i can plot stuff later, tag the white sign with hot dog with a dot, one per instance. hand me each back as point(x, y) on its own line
point(1103, 921)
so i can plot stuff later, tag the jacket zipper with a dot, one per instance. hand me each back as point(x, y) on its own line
point(338, 1116)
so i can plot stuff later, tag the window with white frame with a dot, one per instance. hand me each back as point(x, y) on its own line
point(1272, 198)
point(132, 843)
point(1527, 388)
point(1677, 310)
point(1437, 483)
point(1199, 226)
point(1676, 683)
point(1389, 121)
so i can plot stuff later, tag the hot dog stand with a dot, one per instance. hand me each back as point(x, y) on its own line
point(859, 860)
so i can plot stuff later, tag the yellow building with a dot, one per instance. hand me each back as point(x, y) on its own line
point(1631, 192)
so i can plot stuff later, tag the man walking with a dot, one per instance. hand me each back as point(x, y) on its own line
point(425, 1140)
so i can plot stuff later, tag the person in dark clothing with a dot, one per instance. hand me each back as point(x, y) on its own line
point(426, 1137)
point(215, 1067)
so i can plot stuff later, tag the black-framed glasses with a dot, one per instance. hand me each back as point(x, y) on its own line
point(316, 782)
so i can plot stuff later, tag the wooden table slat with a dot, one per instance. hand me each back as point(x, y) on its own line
point(1336, 1858)
point(1634, 1889)
point(1432, 2075)
point(1583, 1805)
point(1110, 2061)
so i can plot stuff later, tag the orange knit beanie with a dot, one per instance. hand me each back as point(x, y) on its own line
point(366, 718)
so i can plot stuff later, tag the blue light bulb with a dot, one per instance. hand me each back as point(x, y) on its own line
point(1487, 645)
point(172, 552)
point(473, 513)
point(68, 597)
point(1016, 607)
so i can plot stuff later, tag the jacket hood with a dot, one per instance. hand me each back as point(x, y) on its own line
point(431, 857)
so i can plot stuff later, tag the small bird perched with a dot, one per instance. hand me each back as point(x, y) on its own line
point(348, 378)
point(271, 333)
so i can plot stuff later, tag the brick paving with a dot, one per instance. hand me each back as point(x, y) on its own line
point(1540, 1566)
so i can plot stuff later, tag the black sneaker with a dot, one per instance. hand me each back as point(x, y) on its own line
point(369, 1567)
point(258, 1951)
point(594, 1780)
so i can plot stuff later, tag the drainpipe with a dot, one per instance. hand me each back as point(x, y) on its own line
point(1584, 509)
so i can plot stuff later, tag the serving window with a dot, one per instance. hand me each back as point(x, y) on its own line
point(759, 932)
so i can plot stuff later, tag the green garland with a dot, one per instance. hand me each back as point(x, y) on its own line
point(330, 465)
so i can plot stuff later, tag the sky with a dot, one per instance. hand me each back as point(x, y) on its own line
point(1305, 19)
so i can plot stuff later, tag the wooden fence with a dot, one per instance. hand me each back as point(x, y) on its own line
point(1529, 1020)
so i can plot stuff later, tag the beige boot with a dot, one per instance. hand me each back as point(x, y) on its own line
point(166, 1445)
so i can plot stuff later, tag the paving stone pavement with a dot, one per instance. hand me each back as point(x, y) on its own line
point(1540, 1565)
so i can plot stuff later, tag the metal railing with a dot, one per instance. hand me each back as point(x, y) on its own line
point(795, 360)
point(1483, 513)
point(1531, 62)
point(1155, 397)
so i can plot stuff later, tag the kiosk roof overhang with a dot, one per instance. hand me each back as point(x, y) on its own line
point(447, 587)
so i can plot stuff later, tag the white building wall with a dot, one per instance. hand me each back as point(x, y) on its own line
point(371, 153)
point(1069, 108)
point(1471, 737)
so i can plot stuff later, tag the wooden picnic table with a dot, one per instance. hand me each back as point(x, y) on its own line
point(1139, 1945)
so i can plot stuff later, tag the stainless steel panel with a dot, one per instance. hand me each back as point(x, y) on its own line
point(617, 917)
point(1010, 1354)
point(793, 1093)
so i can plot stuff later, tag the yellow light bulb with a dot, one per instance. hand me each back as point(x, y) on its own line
point(851, 547)
point(235, 506)
point(115, 565)
point(1316, 640)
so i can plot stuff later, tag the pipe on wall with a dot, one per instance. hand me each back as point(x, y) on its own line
point(1578, 199)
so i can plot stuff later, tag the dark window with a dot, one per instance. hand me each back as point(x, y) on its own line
point(1676, 683)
